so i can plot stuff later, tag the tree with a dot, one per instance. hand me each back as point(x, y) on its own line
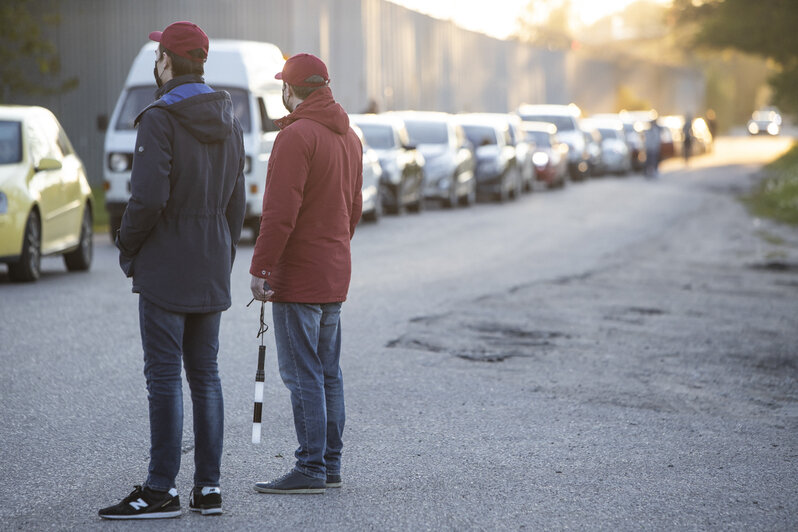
point(768, 28)
point(29, 62)
point(546, 23)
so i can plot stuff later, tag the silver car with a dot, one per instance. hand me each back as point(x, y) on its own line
point(372, 173)
point(497, 170)
point(402, 183)
point(448, 156)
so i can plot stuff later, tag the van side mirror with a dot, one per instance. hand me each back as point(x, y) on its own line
point(48, 163)
point(102, 123)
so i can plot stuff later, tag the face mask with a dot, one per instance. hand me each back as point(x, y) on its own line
point(155, 73)
point(285, 100)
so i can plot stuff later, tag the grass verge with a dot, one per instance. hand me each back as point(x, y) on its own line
point(776, 196)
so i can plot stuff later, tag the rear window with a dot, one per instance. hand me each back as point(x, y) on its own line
point(10, 142)
point(137, 98)
point(378, 136)
point(563, 123)
point(427, 132)
point(480, 135)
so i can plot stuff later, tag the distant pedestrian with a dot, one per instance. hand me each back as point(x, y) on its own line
point(178, 240)
point(653, 144)
point(302, 263)
point(687, 142)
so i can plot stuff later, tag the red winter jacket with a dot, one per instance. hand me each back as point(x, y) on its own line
point(311, 204)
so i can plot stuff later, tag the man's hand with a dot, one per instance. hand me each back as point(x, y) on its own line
point(260, 289)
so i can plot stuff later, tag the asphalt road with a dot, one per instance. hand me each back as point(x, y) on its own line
point(621, 354)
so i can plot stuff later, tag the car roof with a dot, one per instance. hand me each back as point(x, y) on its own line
point(383, 119)
point(427, 116)
point(550, 109)
point(22, 112)
point(484, 119)
point(546, 127)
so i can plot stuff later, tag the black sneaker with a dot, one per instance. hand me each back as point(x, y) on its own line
point(144, 503)
point(334, 481)
point(292, 482)
point(207, 501)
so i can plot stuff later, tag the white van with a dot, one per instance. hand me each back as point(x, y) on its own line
point(246, 70)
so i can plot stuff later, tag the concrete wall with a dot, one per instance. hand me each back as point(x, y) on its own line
point(375, 50)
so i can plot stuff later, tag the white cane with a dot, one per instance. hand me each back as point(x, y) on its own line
point(259, 378)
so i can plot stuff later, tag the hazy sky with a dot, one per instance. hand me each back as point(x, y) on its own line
point(497, 17)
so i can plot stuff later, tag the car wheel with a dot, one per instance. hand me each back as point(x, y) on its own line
point(518, 187)
point(471, 197)
point(29, 266)
point(79, 260)
point(503, 194)
point(453, 198)
point(375, 215)
point(418, 205)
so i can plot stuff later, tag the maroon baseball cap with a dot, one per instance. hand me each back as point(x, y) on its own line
point(300, 67)
point(182, 37)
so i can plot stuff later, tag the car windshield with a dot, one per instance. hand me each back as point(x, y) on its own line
point(563, 123)
point(378, 136)
point(540, 138)
point(138, 98)
point(607, 133)
point(480, 135)
point(10, 142)
point(427, 132)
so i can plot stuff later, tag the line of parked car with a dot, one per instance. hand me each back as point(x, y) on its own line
point(409, 158)
point(413, 156)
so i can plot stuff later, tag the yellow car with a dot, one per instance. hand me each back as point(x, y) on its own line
point(45, 199)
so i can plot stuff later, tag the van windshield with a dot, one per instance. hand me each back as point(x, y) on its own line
point(137, 98)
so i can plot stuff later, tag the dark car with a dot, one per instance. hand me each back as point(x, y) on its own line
point(402, 183)
point(497, 172)
point(449, 160)
point(549, 155)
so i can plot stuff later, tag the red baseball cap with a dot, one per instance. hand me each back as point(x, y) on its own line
point(300, 67)
point(182, 37)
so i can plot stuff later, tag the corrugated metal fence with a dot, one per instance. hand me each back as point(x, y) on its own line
point(375, 51)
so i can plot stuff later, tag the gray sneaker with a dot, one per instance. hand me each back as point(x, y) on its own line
point(292, 482)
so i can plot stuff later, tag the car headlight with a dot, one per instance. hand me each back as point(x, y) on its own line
point(540, 158)
point(3, 203)
point(773, 128)
point(753, 128)
point(119, 162)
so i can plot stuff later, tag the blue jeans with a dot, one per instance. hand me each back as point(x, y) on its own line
point(308, 339)
point(169, 339)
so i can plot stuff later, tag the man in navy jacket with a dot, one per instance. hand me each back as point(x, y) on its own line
point(177, 241)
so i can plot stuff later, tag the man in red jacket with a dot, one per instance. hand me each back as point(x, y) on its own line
point(302, 263)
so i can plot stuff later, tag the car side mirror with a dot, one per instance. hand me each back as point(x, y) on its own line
point(48, 163)
point(102, 123)
point(409, 146)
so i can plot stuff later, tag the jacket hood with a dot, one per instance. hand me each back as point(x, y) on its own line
point(205, 113)
point(320, 107)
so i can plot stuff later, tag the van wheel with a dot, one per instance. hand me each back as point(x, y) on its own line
point(79, 260)
point(29, 266)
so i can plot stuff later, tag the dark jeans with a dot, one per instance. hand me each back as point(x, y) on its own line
point(308, 339)
point(169, 339)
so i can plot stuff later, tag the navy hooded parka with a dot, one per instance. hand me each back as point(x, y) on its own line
point(183, 221)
